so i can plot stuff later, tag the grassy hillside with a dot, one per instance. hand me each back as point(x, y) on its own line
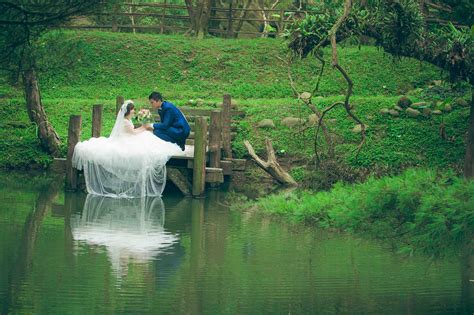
point(110, 64)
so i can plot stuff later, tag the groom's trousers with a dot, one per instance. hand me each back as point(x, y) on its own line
point(172, 134)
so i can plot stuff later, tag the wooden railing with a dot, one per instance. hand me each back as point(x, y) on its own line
point(208, 160)
point(175, 18)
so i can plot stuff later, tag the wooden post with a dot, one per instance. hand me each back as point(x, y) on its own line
point(162, 24)
point(97, 120)
point(114, 18)
point(118, 103)
point(215, 139)
point(73, 137)
point(280, 22)
point(226, 121)
point(229, 23)
point(199, 168)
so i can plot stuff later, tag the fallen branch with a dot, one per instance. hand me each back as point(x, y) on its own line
point(271, 166)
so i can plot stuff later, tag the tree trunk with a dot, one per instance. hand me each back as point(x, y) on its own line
point(469, 159)
point(271, 166)
point(202, 23)
point(199, 16)
point(47, 135)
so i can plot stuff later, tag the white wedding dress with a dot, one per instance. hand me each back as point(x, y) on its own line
point(126, 164)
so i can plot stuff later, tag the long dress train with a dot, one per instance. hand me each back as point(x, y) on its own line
point(125, 164)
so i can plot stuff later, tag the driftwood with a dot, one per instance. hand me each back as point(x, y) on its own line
point(271, 166)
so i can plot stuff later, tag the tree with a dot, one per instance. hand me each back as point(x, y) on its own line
point(199, 12)
point(23, 22)
point(403, 28)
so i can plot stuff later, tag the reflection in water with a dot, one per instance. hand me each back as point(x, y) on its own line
point(130, 229)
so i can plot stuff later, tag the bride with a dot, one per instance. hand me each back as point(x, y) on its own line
point(130, 163)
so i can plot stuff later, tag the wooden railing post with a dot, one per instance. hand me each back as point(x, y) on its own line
point(97, 120)
point(114, 18)
point(162, 22)
point(229, 23)
point(199, 168)
point(215, 139)
point(280, 22)
point(226, 121)
point(73, 137)
point(118, 103)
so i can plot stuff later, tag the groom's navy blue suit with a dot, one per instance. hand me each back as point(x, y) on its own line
point(173, 126)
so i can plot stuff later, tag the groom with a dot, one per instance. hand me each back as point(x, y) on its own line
point(173, 126)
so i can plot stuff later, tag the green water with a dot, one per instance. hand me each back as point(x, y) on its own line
point(66, 253)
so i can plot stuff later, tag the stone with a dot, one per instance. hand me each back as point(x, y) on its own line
point(384, 111)
point(305, 96)
point(416, 91)
point(438, 105)
point(404, 102)
point(447, 108)
point(266, 123)
point(199, 101)
point(393, 113)
point(419, 105)
point(397, 108)
point(436, 112)
point(427, 112)
point(358, 128)
point(412, 112)
point(461, 102)
point(313, 119)
point(291, 122)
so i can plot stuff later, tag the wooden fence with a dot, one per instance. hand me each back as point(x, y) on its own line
point(171, 18)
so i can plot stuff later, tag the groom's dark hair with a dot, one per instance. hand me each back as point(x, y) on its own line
point(156, 96)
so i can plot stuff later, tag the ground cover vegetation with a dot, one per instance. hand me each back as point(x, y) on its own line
point(197, 72)
point(419, 210)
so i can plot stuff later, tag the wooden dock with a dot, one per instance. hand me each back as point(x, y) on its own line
point(207, 158)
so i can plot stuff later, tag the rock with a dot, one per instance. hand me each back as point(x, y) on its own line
point(313, 119)
point(427, 112)
point(291, 122)
point(447, 108)
point(397, 108)
point(412, 112)
point(415, 91)
point(393, 113)
point(419, 105)
point(461, 102)
point(384, 111)
point(305, 96)
point(358, 128)
point(436, 112)
point(438, 105)
point(199, 101)
point(191, 102)
point(404, 102)
point(266, 123)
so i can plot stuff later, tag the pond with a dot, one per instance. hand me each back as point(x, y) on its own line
point(70, 253)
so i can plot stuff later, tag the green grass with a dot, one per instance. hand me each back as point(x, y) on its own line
point(111, 64)
point(418, 210)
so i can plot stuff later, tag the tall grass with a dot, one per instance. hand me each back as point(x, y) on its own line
point(420, 210)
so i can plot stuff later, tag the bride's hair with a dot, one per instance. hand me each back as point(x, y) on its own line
point(130, 106)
